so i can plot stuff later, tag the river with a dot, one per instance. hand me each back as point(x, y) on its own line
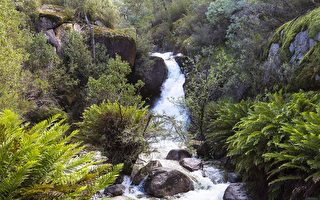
point(209, 182)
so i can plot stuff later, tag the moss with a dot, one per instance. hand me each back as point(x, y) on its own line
point(287, 32)
point(103, 31)
point(309, 69)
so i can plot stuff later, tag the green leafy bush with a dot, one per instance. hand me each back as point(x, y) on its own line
point(117, 130)
point(222, 117)
point(41, 162)
point(113, 85)
point(260, 133)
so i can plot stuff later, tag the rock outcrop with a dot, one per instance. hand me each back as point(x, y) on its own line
point(178, 154)
point(165, 182)
point(293, 54)
point(153, 78)
point(54, 22)
point(191, 164)
point(118, 42)
point(236, 191)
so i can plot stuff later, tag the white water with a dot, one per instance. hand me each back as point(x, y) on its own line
point(173, 92)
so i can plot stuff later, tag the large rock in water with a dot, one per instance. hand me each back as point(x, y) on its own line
point(178, 154)
point(115, 190)
point(165, 182)
point(191, 164)
point(153, 78)
point(145, 171)
point(236, 191)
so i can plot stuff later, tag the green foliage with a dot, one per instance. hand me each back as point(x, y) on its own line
point(41, 162)
point(300, 154)
point(117, 130)
point(222, 9)
point(12, 55)
point(102, 10)
point(261, 135)
point(113, 85)
point(222, 116)
point(41, 54)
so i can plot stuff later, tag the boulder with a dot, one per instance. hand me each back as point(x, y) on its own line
point(165, 182)
point(115, 190)
point(51, 16)
point(118, 42)
point(236, 191)
point(178, 154)
point(153, 78)
point(145, 171)
point(191, 164)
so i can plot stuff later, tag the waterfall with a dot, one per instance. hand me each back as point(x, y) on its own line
point(172, 91)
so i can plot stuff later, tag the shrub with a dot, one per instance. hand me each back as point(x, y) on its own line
point(261, 132)
point(222, 9)
point(222, 117)
point(113, 85)
point(41, 162)
point(117, 130)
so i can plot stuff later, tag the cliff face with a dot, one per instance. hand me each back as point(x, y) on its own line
point(294, 52)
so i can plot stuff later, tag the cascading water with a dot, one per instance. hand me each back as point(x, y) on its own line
point(209, 182)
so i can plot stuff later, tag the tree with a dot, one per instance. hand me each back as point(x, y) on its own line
point(113, 85)
point(12, 55)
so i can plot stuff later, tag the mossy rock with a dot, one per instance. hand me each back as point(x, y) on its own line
point(118, 42)
point(304, 59)
point(287, 32)
point(125, 32)
point(55, 13)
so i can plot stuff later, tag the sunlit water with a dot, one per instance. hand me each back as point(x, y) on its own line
point(209, 182)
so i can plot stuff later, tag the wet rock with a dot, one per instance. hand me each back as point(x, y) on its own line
point(178, 154)
point(145, 171)
point(236, 191)
point(165, 182)
point(115, 190)
point(191, 164)
point(153, 78)
point(233, 177)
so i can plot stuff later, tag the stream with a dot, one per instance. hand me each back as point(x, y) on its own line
point(208, 182)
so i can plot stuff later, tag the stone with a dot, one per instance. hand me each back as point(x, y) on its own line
point(115, 190)
point(236, 191)
point(153, 77)
point(165, 182)
point(300, 47)
point(178, 154)
point(53, 40)
point(117, 42)
point(145, 171)
point(51, 16)
point(191, 164)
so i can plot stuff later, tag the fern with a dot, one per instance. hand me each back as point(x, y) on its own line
point(41, 162)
